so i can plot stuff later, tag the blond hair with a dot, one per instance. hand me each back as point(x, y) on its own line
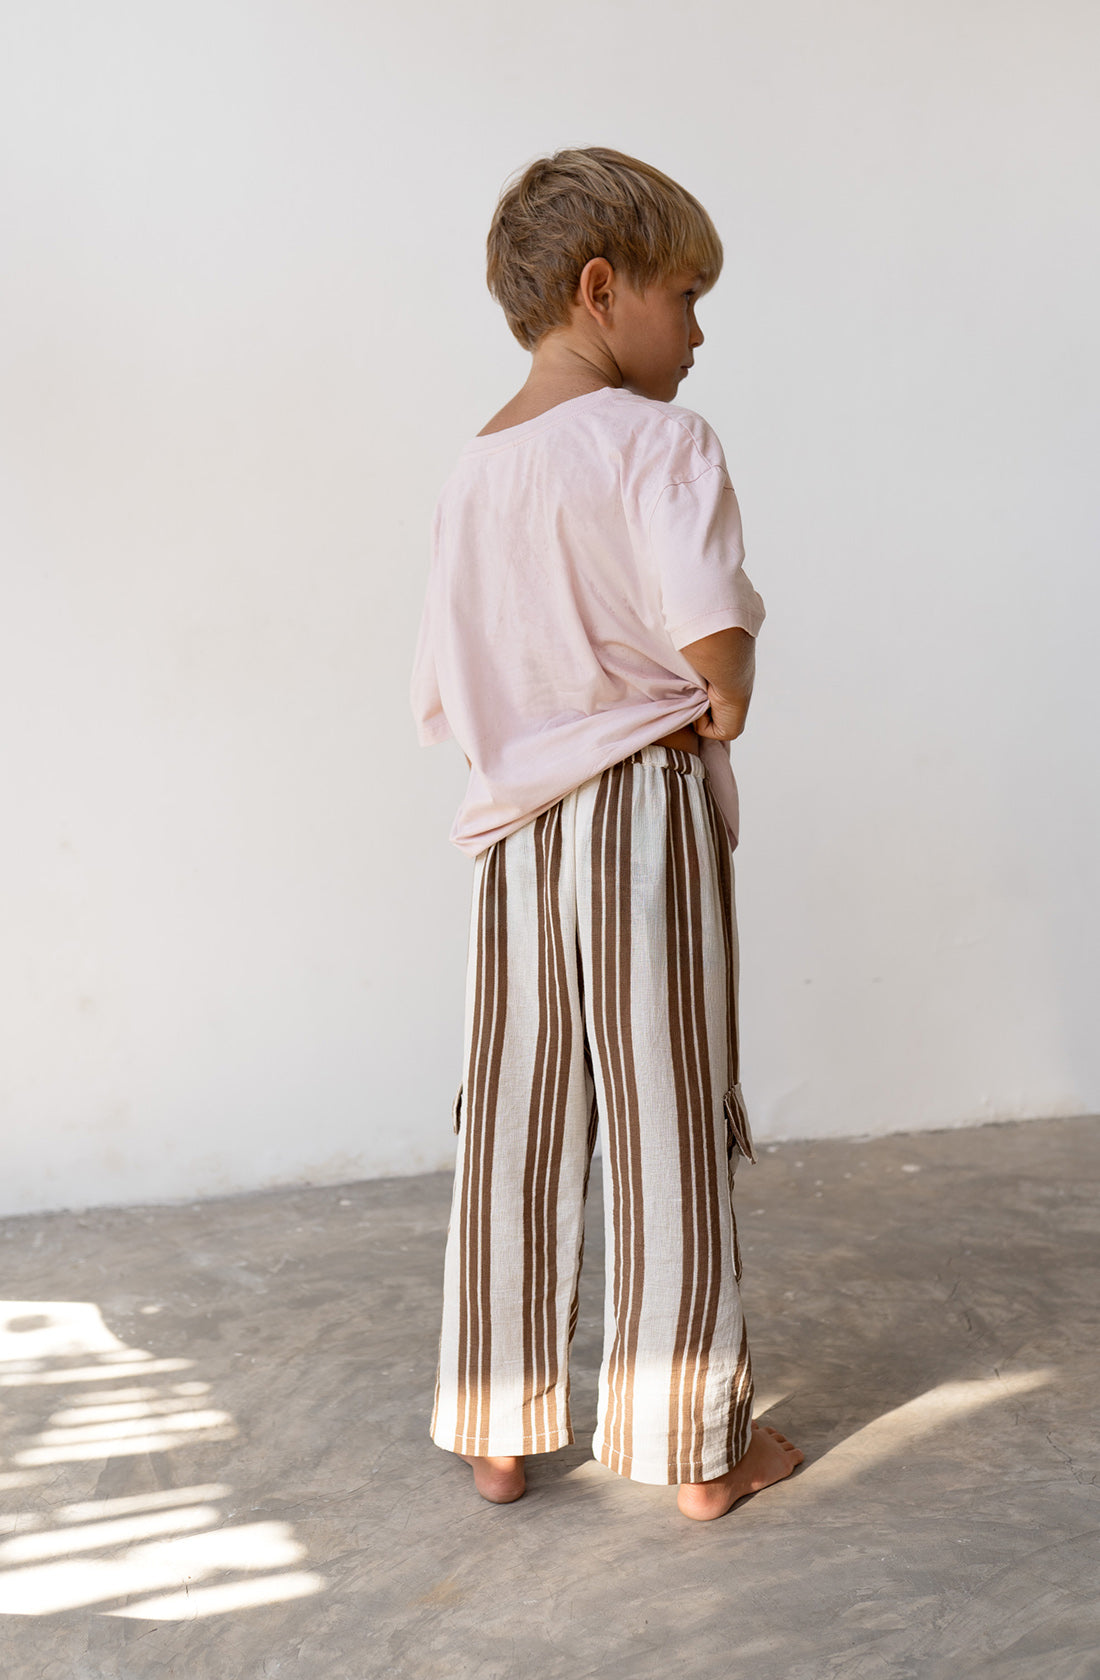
point(590, 202)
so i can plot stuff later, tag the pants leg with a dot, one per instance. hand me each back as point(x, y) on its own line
point(526, 1120)
point(659, 956)
point(601, 977)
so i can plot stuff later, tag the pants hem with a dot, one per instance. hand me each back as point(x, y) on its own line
point(659, 1472)
point(491, 1446)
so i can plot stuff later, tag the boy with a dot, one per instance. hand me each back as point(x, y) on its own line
point(588, 638)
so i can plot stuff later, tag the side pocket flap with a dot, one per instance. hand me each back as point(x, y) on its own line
point(738, 1118)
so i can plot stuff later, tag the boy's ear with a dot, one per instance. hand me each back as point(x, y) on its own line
point(595, 288)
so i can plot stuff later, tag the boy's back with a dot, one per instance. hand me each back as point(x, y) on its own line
point(574, 555)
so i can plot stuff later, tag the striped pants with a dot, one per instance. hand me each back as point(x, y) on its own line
point(602, 982)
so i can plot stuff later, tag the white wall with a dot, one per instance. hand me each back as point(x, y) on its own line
point(245, 331)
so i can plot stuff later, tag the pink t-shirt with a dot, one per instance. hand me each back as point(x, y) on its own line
point(573, 556)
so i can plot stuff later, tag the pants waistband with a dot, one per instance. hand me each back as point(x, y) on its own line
point(670, 758)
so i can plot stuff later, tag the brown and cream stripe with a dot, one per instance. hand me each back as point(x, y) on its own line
point(613, 1039)
point(475, 1341)
point(546, 1130)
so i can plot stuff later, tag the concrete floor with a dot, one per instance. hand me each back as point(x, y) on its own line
point(256, 1495)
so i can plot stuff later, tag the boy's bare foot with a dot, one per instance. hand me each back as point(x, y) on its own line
point(500, 1480)
point(769, 1458)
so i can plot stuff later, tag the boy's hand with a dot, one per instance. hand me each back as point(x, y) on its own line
point(725, 718)
point(726, 664)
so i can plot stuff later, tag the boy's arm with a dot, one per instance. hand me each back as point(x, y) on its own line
point(726, 661)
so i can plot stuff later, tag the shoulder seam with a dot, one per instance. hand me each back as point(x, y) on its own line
point(673, 483)
point(684, 427)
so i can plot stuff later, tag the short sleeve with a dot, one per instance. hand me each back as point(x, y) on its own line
point(424, 697)
point(697, 547)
